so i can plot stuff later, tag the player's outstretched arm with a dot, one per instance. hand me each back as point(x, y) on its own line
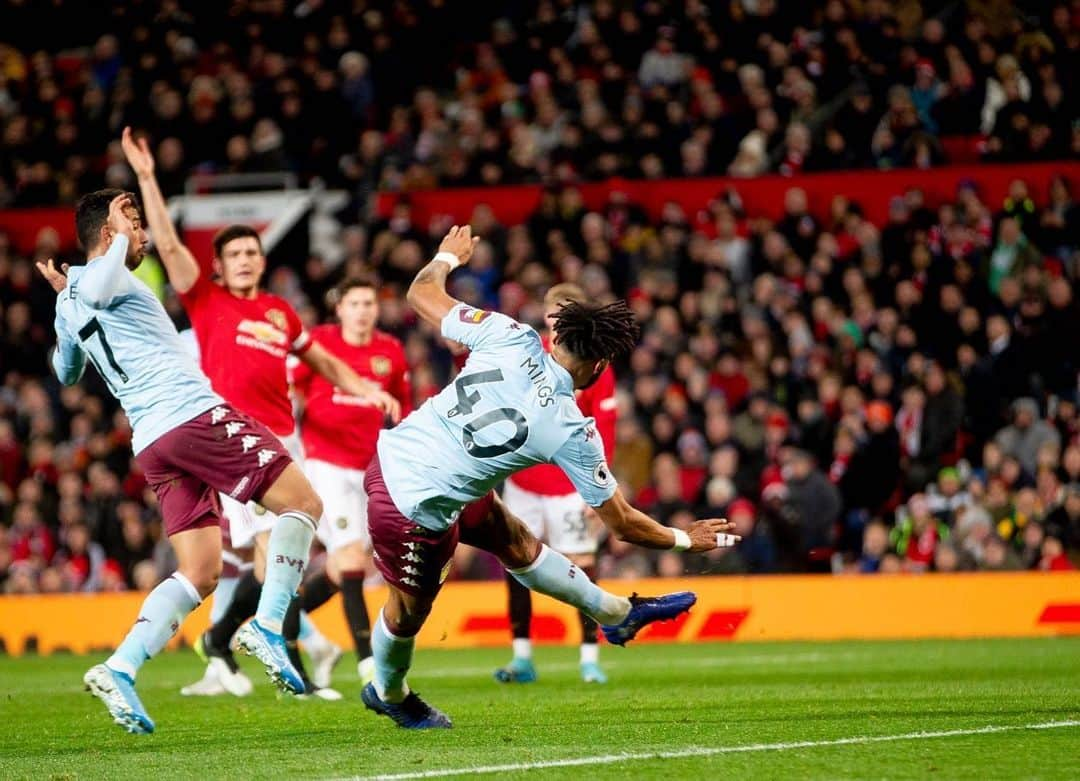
point(631, 525)
point(180, 264)
point(342, 376)
point(427, 294)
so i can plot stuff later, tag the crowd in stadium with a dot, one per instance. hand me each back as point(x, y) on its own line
point(552, 89)
point(856, 397)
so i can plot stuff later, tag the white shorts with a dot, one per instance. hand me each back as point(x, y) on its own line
point(344, 519)
point(247, 520)
point(557, 520)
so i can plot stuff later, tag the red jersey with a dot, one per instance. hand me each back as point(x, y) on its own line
point(597, 401)
point(243, 344)
point(336, 427)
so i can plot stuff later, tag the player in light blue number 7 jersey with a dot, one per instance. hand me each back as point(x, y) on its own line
point(512, 406)
point(189, 443)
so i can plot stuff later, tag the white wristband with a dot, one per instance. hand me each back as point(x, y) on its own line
point(682, 541)
point(448, 258)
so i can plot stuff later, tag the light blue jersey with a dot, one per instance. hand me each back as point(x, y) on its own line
point(512, 406)
point(108, 315)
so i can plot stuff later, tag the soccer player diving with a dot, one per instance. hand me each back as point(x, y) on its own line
point(512, 406)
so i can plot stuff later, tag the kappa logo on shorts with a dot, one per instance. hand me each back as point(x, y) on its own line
point(473, 316)
point(249, 442)
point(410, 582)
point(232, 427)
point(217, 414)
point(266, 456)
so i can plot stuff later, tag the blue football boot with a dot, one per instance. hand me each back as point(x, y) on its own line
point(117, 691)
point(269, 648)
point(646, 610)
point(518, 671)
point(410, 713)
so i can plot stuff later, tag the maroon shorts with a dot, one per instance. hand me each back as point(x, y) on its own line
point(410, 557)
point(220, 450)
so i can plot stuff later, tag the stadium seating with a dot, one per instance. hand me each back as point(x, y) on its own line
point(851, 237)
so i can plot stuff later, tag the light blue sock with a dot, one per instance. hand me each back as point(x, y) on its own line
point(223, 595)
point(286, 560)
point(160, 616)
point(554, 574)
point(393, 658)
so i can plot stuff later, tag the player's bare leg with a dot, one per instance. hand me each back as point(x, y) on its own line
point(198, 552)
point(296, 505)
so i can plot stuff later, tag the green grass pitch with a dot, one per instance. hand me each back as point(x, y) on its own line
point(941, 709)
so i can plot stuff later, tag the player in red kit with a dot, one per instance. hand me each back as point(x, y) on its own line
point(245, 336)
point(545, 499)
point(339, 432)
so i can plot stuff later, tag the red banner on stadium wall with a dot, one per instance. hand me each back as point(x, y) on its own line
point(762, 196)
point(23, 226)
point(786, 607)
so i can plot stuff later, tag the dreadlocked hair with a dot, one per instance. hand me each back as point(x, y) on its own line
point(596, 333)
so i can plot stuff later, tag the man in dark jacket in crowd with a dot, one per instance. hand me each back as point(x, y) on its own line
point(817, 504)
point(942, 416)
point(873, 474)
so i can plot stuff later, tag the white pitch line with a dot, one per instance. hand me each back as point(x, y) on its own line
point(609, 759)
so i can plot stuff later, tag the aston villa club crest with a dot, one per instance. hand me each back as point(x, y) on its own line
point(380, 365)
point(277, 317)
point(473, 316)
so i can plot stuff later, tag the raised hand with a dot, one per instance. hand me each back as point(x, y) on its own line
point(711, 533)
point(460, 242)
point(137, 152)
point(57, 279)
point(118, 219)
